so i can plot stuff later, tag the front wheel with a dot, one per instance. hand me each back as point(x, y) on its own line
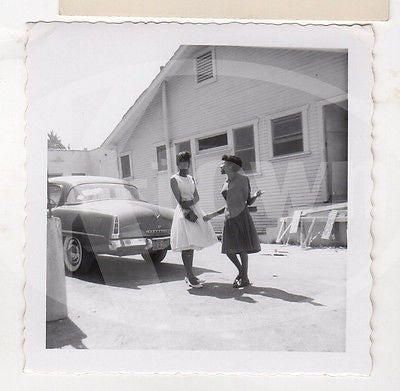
point(76, 258)
point(154, 256)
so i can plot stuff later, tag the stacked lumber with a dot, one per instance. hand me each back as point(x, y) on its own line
point(327, 214)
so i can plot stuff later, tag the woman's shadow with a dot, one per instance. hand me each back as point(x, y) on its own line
point(226, 291)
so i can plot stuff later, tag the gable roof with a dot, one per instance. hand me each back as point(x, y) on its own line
point(135, 112)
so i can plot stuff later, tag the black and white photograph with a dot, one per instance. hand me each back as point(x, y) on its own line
point(198, 198)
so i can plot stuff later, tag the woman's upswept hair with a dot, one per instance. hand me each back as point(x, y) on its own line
point(183, 156)
point(236, 160)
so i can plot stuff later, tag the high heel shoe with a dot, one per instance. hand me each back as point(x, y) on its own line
point(196, 286)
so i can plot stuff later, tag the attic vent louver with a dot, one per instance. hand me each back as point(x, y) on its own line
point(204, 67)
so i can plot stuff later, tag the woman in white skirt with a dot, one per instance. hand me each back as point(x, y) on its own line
point(189, 231)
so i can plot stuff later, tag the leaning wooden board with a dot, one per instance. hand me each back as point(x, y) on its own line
point(295, 221)
point(329, 224)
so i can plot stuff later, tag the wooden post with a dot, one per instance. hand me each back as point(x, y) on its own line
point(301, 232)
point(329, 225)
point(282, 234)
point(308, 237)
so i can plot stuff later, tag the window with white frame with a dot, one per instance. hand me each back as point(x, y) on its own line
point(205, 67)
point(162, 164)
point(244, 147)
point(287, 134)
point(125, 163)
point(212, 142)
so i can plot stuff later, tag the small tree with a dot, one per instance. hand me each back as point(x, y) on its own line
point(54, 141)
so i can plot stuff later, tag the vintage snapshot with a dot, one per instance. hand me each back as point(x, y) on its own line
point(198, 198)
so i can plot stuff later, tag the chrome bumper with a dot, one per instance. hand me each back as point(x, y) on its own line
point(139, 244)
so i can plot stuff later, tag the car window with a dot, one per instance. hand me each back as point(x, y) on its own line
point(101, 191)
point(54, 194)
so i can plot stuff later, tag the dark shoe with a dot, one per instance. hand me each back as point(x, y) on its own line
point(237, 281)
point(243, 283)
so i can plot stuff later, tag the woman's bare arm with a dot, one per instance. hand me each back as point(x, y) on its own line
point(252, 198)
point(211, 215)
point(176, 192)
point(178, 197)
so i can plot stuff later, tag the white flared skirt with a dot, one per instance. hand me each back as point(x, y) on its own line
point(186, 235)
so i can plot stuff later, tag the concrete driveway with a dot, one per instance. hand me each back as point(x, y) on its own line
point(296, 303)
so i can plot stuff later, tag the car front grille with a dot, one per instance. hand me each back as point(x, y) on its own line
point(157, 232)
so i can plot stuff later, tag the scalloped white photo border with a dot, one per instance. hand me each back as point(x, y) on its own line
point(358, 40)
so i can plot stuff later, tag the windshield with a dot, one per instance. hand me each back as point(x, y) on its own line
point(101, 191)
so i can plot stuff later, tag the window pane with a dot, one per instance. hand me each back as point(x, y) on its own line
point(244, 137)
point(287, 134)
point(101, 191)
point(162, 158)
point(285, 148)
point(248, 159)
point(183, 146)
point(125, 166)
point(287, 125)
point(213, 142)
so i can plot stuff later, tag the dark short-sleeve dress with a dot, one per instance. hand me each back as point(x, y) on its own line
point(239, 233)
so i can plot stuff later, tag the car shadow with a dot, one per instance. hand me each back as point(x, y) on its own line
point(64, 332)
point(226, 291)
point(134, 272)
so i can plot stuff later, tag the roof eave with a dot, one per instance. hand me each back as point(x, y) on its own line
point(137, 109)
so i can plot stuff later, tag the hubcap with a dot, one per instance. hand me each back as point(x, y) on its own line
point(73, 254)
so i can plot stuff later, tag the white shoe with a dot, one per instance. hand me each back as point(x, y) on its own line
point(196, 286)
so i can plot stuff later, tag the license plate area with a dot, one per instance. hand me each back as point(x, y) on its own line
point(134, 242)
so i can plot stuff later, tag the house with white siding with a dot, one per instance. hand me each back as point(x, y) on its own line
point(283, 111)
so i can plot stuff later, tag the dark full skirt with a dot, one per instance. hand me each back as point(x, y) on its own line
point(240, 235)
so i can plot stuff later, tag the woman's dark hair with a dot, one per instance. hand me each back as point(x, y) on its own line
point(183, 156)
point(236, 160)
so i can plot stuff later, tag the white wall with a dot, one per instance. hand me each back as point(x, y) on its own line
point(94, 162)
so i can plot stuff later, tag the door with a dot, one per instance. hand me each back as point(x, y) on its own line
point(336, 144)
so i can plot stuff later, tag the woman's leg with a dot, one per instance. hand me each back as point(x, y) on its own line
point(236, 262)
point(187, 258)
point(245, 265)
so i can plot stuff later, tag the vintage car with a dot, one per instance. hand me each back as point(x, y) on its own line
point(102, 215)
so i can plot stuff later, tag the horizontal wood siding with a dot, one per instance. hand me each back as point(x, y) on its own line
point(251, 84)
point(141, 143)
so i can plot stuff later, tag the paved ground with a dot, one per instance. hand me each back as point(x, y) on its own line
point(296, 303)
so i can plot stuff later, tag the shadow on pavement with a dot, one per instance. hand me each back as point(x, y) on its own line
point(226, 291)
point(133, 273)
point(64, 332)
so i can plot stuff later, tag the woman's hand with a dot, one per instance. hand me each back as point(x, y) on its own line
point(258, 193)
point(186, 204)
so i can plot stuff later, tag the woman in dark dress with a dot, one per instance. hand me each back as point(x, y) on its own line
point(239, 234)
